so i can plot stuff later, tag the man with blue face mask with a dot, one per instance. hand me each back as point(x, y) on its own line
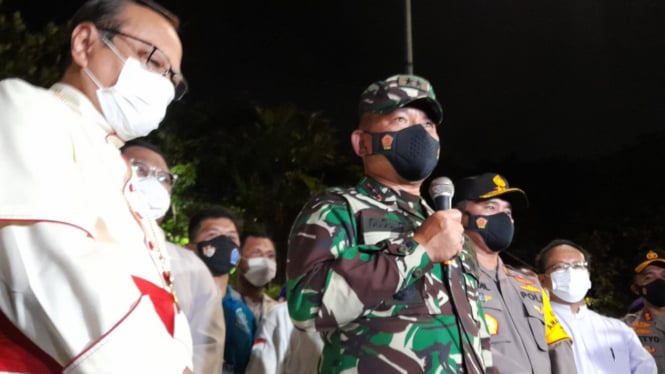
point(602, 345)
point(526, 336)
point(85, 282)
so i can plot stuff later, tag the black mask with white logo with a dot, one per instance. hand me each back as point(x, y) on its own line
point(220, 254)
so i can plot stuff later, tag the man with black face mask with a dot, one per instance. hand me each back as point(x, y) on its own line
point(387, 281)
point(649, 323)
point(526, 336)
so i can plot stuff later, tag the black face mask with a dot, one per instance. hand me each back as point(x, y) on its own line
point(220, 254)
point(496, 230)
point(412, 151)
point(654, 292)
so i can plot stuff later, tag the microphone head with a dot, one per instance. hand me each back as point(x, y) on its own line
point(441, 186)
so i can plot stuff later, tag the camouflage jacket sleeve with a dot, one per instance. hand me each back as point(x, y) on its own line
point(332, 278)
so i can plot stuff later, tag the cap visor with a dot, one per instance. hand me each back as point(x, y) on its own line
point(428, 105)
point(515, 196)
point(655, 262)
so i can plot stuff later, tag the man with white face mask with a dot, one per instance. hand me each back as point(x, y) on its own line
point(601, 344)
point(198, 295)
point(257, 267)
point(85, 282)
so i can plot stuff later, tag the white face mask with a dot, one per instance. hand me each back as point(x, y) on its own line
point(137, 103)
point(155, 195)
point(261, 271)
point(570, 285)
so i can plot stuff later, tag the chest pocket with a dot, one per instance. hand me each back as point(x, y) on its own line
point(536, 319)
point(374, 227)
point(495, 313)
point(653, 343)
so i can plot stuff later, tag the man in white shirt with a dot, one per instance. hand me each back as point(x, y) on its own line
point(601, 344)
point(281, 348)
point(85, 280)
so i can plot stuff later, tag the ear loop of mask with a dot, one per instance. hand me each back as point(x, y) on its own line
point(115, 51)
point(112, 47)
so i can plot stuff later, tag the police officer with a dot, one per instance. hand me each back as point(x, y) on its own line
point(525, 335)
point(649, 323)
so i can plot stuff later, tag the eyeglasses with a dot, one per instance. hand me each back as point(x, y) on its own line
point(143, 170)
point(154, 60)
point(579, 265)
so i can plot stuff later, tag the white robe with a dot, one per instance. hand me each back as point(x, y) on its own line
point(603, 345)
point(74, 241)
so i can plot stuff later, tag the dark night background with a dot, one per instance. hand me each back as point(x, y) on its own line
point(565, 97)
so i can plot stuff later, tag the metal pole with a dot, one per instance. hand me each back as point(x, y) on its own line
point(409, 36)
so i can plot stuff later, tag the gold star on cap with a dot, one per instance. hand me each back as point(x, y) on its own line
point(499, 182)
point(651, 258)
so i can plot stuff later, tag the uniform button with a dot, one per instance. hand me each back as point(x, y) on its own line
point(418, 273)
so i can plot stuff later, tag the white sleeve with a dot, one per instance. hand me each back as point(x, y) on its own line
point(265, 357)
point(75, 298)
point(303, 352)
point(641, 361)
point(201, 301)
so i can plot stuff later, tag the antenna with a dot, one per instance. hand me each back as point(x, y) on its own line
point(409, 37)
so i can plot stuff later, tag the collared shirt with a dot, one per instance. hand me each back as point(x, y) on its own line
point(603, 345)
point(259, 308)
point(651, 331)
point(525, 335)
point(241, 328)
point(356, 275)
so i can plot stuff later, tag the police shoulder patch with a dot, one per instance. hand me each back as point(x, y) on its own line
point(492, 324)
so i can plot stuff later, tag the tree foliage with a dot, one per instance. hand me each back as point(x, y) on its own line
point(33, 56)
point(262, 162)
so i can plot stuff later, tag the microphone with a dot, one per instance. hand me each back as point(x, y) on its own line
point(441, 190)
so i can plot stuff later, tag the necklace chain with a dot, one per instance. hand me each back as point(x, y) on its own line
point(153, 244)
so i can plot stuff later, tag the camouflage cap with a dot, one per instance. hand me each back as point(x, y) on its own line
point(401, 91)
point(654, 256)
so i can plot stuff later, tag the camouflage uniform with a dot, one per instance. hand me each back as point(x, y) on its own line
point(651, 331)
point(356, 275)
point(526, 335)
